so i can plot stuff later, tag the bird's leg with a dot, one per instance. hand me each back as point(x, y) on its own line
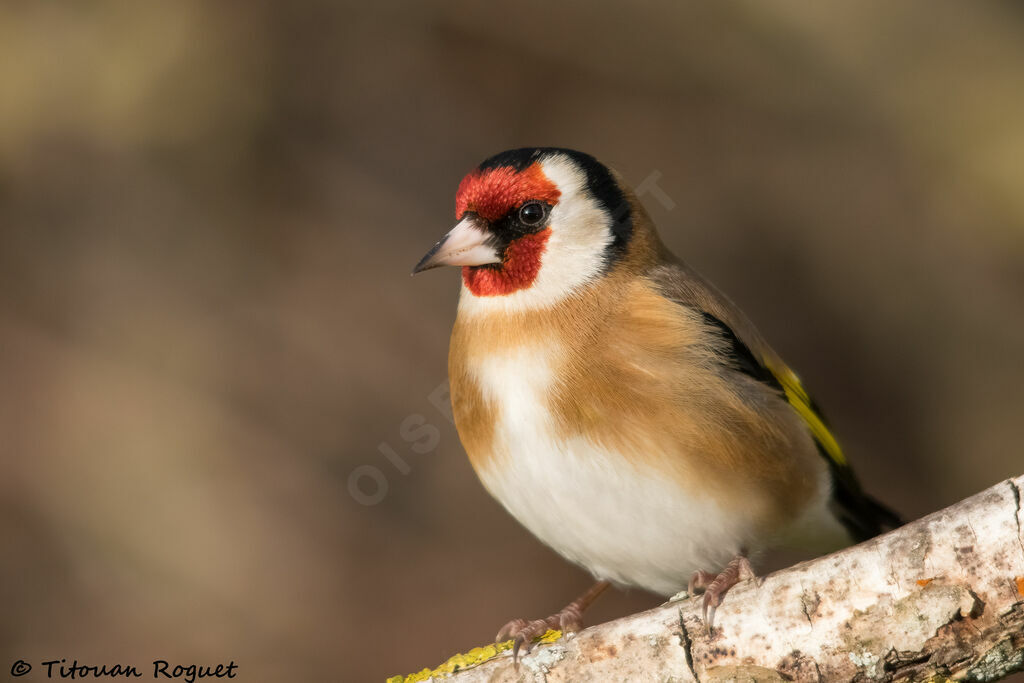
point(715, 587)
point(569, 619)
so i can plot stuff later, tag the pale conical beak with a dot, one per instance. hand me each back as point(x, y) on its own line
point(467, 244)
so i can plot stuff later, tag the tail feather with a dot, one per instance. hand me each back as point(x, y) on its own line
point(863, 516)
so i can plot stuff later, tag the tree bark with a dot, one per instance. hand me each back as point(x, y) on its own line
point(938, 598)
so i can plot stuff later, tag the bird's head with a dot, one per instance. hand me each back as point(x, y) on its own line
point(534, 225)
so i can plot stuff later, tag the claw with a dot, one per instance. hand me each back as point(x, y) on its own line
point(523, 633)
point(512, 627)
point(699, 581)
point(515, 652)
point(570, 619)
point(715, 587)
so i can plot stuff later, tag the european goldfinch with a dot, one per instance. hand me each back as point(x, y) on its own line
point(619, 406)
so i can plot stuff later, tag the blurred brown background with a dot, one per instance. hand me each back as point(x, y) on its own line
point(208, 214)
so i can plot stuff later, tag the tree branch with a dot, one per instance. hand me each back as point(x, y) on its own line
point(940, 597)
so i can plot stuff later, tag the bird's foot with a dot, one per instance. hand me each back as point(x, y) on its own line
point(715, 587)
point(524, 632)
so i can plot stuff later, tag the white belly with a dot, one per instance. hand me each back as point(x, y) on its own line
point(618, 520)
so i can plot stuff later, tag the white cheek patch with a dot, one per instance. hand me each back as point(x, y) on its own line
point(580, 234)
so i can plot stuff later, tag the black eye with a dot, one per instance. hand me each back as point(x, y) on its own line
point(532, 213)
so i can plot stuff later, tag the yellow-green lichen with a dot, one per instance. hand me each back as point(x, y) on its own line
point(475, 657)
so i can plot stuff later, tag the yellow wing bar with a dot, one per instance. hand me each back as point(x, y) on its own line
point(801, 402)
